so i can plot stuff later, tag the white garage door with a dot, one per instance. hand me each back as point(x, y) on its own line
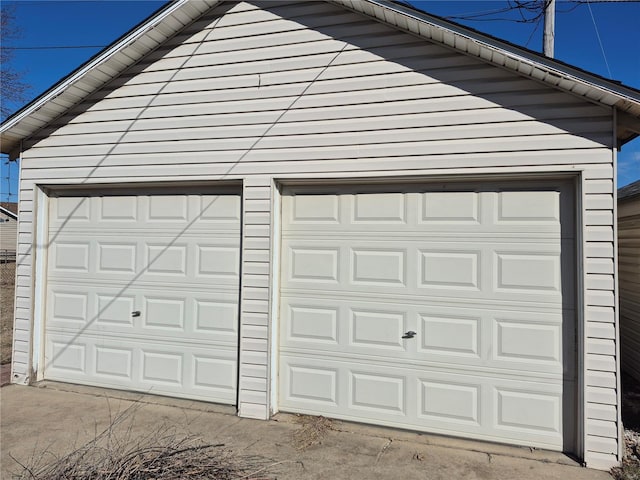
point(142, 293)
point(447, 309)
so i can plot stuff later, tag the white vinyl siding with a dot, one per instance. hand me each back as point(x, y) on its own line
point(629, 281)
point(275, 90)
point(8, 235)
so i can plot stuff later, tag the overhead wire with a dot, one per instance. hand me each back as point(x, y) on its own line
point(535, 28)
point(532, 6)
point(8, 177)
point(595, 26)
point(53, 47)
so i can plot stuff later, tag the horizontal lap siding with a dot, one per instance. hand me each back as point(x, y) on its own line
point(8, 234)
point(324, 93)
point(629, 283)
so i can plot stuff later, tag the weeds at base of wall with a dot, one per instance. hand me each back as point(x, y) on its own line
point(630, 469)
point(627, 472)
point(312, 431)
point(117, 453)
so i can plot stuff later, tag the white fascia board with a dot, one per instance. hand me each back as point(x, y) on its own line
point(8, 213)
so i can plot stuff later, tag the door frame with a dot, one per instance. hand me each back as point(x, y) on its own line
point(40, 247)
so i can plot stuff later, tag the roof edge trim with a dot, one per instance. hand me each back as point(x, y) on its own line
point(9, 213)
point(102, 57)
point(534, 59)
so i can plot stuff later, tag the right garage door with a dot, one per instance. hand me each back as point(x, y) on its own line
point(444, 308)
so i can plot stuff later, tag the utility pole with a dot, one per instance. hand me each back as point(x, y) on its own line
point(549, 27)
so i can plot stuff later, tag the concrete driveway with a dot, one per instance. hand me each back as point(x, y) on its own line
point(56, 417)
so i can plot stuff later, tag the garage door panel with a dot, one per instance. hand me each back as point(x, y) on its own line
point(197, 315)
point(487, 268)
point(377, 328)
point(516, 342)
point(447, 335)
point(524, 206)
point(528, 410)
point(67, 306)
point(483, 337)
point(377, 266)
point(445, 267)
point(311, 323)
point(118, 208)
point(112, 308)
point(312, 264)
point(449, 207)
point(502, 212)
point(157, 258)
point(475, 277)
point(162, 368)
point(476, 406)
point(70, 210)
point(116, 257)
point(130, 210)
point(62, 357)
point(71, 256)
point(143, 293)
point(449, 401)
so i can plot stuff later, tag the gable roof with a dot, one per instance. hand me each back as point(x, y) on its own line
point(629, 191)
point(170, 19)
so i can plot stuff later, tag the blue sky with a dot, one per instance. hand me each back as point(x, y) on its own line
point(95, 24)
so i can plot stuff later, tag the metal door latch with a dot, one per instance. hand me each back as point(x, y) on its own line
point(136, 313)
point(409, 334)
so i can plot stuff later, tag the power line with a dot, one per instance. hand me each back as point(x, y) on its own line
point(535, 29)
point(53, 47)
point(8, 178)
point(599, 40)
point(533, 7)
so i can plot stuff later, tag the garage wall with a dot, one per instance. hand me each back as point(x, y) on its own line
point(276, 90)
point(629, 280)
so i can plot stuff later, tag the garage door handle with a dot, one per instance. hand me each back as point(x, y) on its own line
point(409, 334)
point(136, 313)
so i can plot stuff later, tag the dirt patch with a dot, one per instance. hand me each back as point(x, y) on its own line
point(312, 431)
point(7, 286)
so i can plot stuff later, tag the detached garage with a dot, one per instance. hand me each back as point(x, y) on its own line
point(629, 277)
point(350, 209)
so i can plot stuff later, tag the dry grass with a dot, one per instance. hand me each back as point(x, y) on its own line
point(312, 431)
point(7, 279)
point(630, 468)
point(165, 453)
point(628, 471)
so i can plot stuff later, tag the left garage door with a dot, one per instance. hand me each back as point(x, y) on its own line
point(142, 292)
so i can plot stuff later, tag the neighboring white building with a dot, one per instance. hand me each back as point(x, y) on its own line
point(629, 276)
point(8, 230)
point(342, 208)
